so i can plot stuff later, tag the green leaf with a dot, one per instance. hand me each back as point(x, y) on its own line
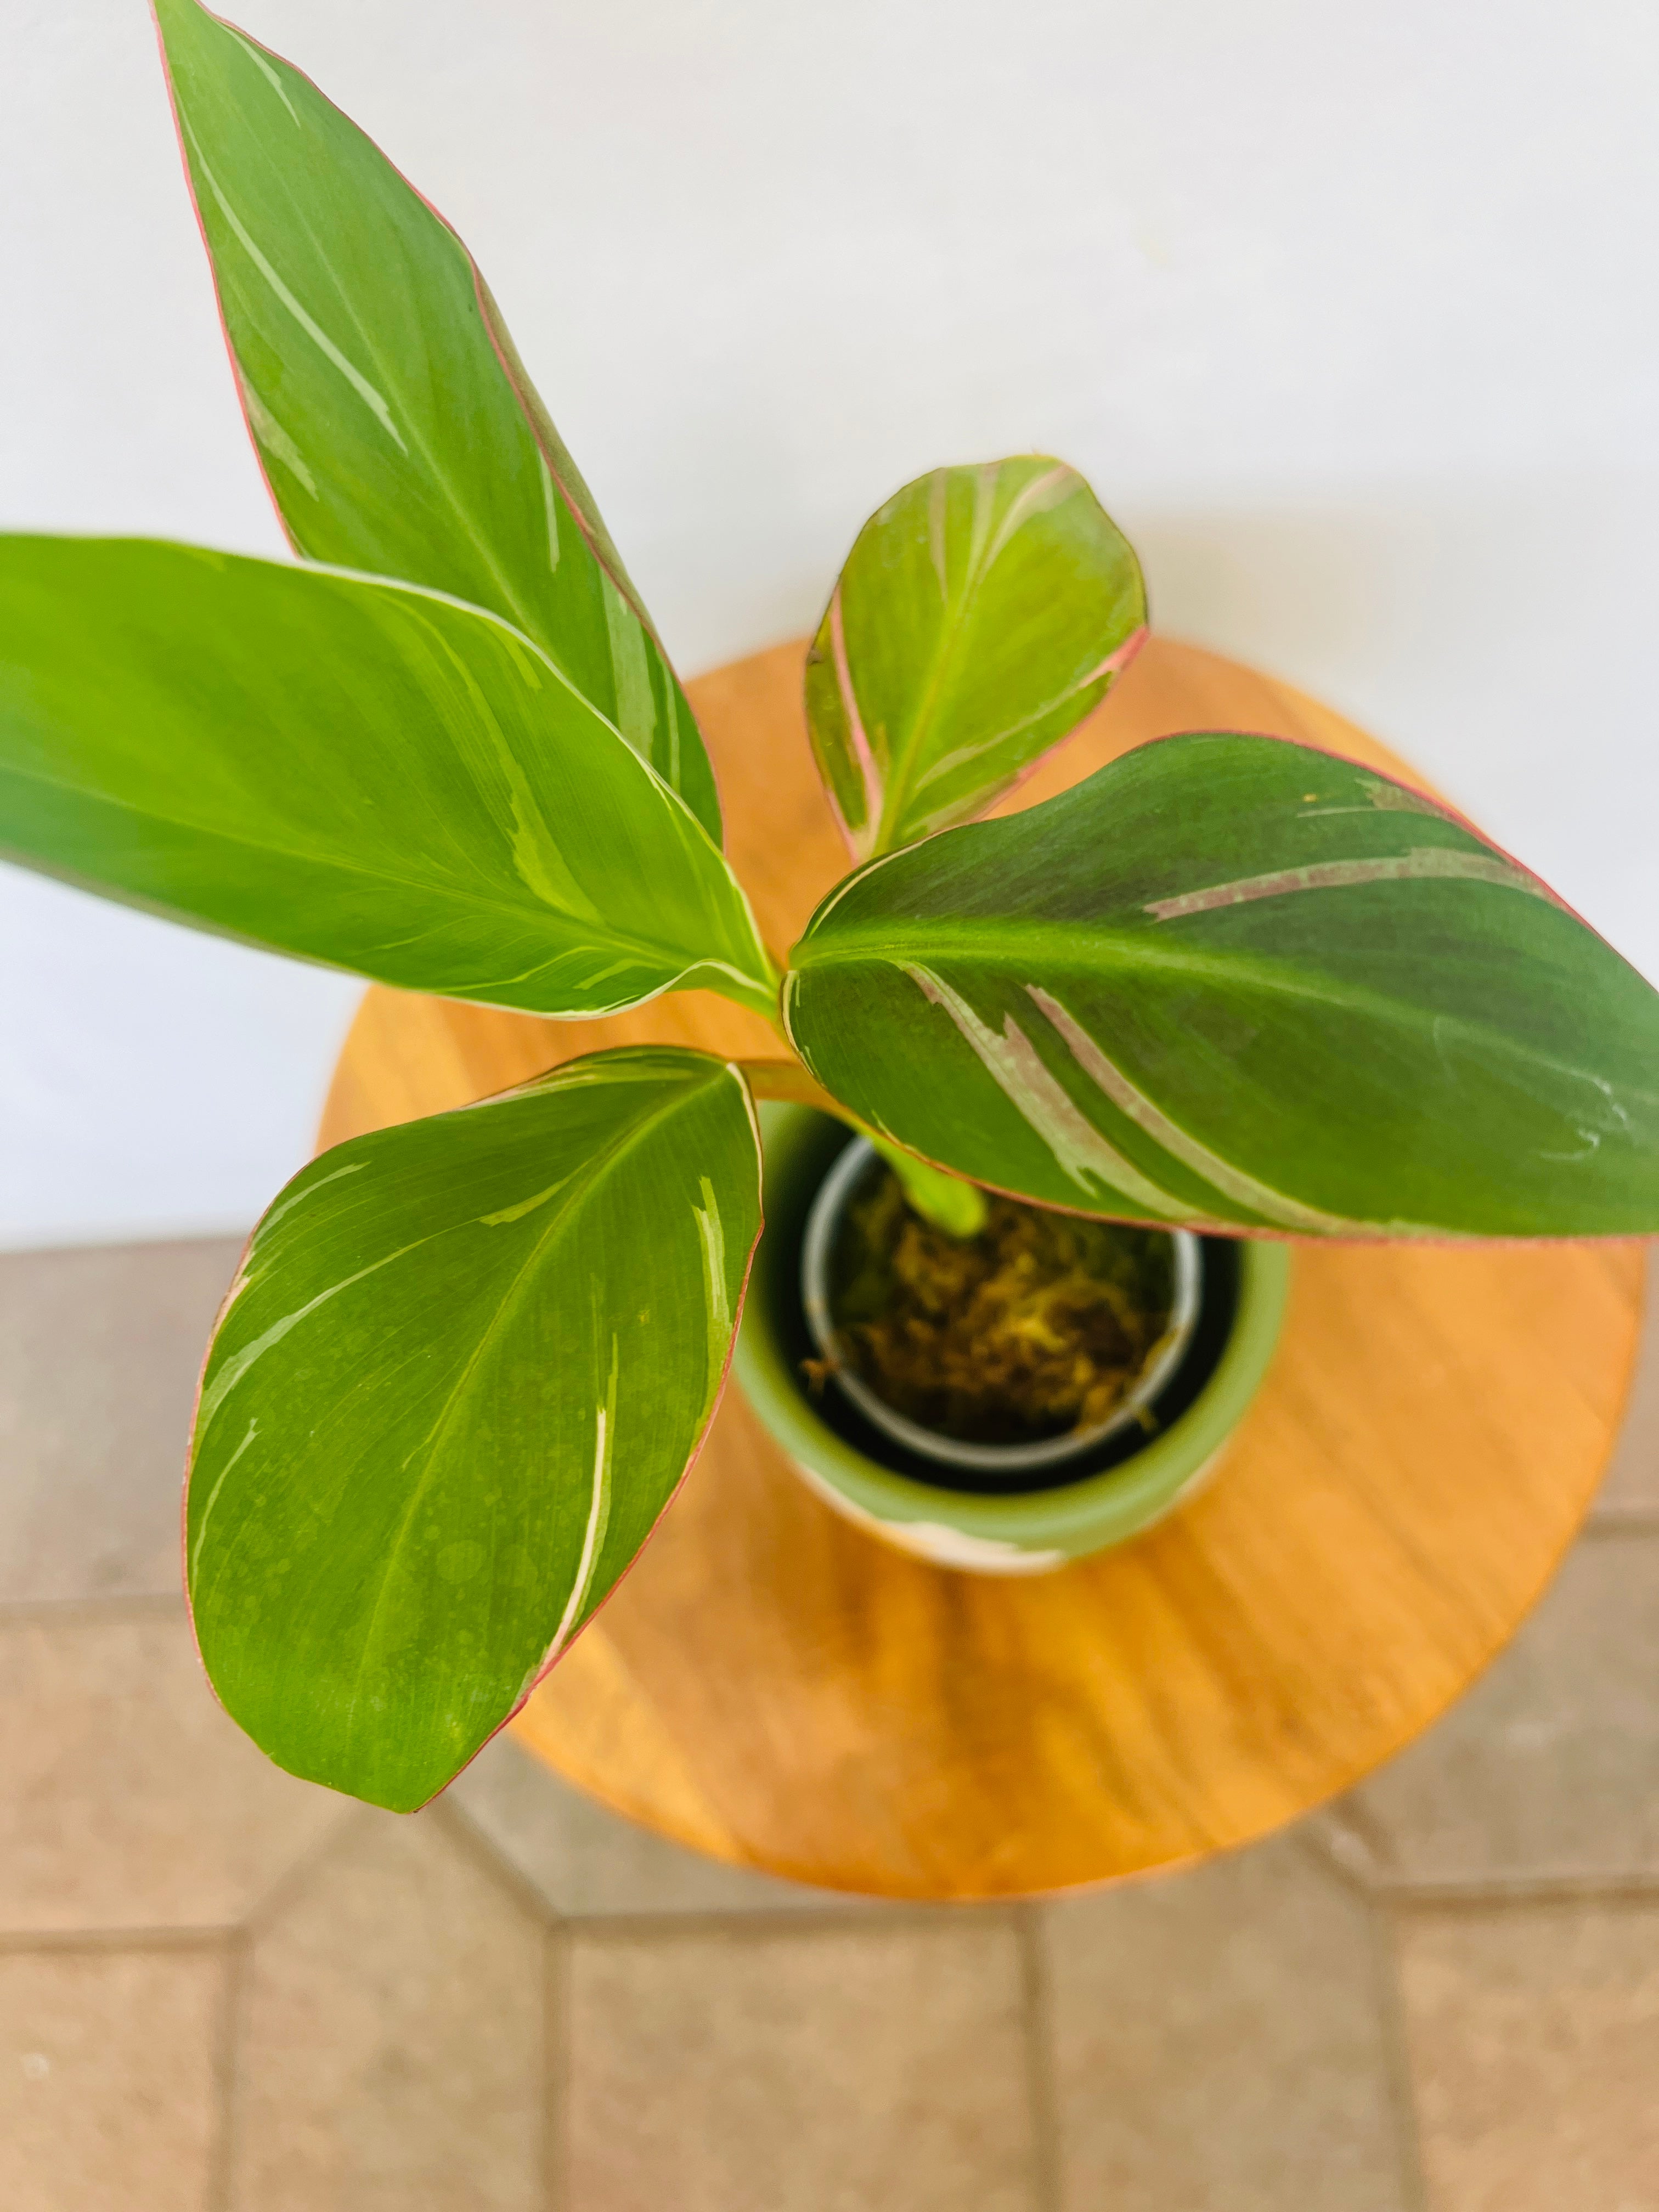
point(394, 421)
point(357, 772)
point(463, 1369)
point(1245, 985)
point(981, 613)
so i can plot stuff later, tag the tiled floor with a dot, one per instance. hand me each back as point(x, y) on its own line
point(223, 1991)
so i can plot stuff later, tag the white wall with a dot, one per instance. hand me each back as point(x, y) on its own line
point(1349, 307)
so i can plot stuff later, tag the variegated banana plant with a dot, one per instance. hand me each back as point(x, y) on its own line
point(1228, 981)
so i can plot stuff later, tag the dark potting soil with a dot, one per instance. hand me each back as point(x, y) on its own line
point(1039, 1325)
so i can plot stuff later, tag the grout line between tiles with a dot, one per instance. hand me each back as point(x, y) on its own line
point(1396, 2044)
point(753, 1926)
point(1041, 2090)
point(464, 1831)
point(1615, 1523)
point(298, 1872)
point(557, 2034)
point(1632, 1892)
point(227, 2042)
point(16, 1940)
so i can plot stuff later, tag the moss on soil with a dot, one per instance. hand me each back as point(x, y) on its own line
point(1040, 1325)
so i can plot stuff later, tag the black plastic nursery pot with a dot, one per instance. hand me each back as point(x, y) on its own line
point(984, 1509)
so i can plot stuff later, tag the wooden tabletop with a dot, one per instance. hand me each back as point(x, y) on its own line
point(773, 1686)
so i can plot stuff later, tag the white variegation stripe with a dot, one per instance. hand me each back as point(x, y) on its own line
point(1080, 1152)
point(636, 710)
point(374, 400)
point(271, 435)
point(505, 1215)
point(263, 67)
point(1035, 498)
point(674, 705)
point(550, 508)
point(1423, 864)
point(537, 857)
point(213, 1499)
point(712, 1231)
point(598, 1516)
point(938, 544)
point(1274, 1206)
point(986, 480)
point(869, 774)
point(287, 1205)
point(235, 1367)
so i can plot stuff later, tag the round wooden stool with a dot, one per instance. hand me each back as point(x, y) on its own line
point(772, 1686)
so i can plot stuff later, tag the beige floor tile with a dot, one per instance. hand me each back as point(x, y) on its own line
point(1631, 1489)
point(1219, 2044)
point(587, 1862)
point(108, 2097)
point(392, 2055)
point(98, 1354)
point(1534, 2034)
point(129, 1799)
point(837, 2069)
point(1549, 1768)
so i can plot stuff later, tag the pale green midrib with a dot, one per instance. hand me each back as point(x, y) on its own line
point(897, 793)
point(678, 957)
point(1067, 951)
point(582, 1189)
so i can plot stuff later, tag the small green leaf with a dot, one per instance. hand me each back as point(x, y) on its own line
point(395, 423)
point(1242, 984)
point(981, 613)
point(463, 1369)
point(357, 772)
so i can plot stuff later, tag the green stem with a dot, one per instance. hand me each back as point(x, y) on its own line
point(941, 1199)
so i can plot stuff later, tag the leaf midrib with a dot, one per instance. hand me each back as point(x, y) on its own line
point(1043, 950)
point(898, 792)
point(679, 957)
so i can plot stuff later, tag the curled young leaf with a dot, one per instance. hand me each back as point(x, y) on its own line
point(464, 1367)
point(357, 772)
point(396, 425)
point(1243, 985)
point(981, 613)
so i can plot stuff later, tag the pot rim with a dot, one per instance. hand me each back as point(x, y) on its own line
point(823, 1219)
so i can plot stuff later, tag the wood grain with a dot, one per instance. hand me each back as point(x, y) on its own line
point(771, 1686)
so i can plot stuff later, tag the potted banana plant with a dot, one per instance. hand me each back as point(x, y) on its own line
point(1050, 1092)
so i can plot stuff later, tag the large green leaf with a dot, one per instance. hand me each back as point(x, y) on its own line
point(463, 1369)
point(1246, 985)
point(397, 428)
point(358, 772)
point(981, 614)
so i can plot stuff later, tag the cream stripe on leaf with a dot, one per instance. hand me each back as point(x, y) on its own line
point(450, 1401)
point(410, 441)
point(1237, 981)
point(1101, 1172)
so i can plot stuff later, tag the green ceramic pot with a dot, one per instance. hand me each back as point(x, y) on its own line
point(1131, 1482)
